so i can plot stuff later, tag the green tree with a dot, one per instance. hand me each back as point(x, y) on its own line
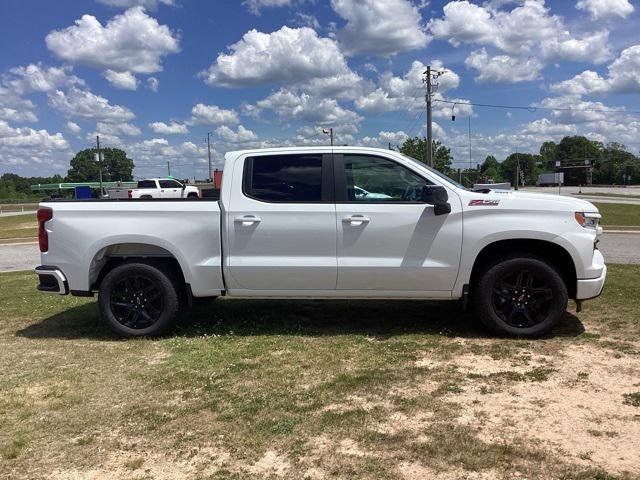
point(529, 168)
point(548, 152)
point(578, 149)
point(416, 147)
point(116, 166)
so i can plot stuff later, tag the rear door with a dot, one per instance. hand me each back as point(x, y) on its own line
point(281, 224)
point(388, 239)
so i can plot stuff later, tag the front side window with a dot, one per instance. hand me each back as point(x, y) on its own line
point(284, 178)
point(379, 180)
point(169, 184)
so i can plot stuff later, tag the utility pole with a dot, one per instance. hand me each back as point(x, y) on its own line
point(168, 169)
point(99, 162)
point(429, 119)
point(431, 81)
point(209, 176)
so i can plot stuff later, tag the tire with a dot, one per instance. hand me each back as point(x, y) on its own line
point(139, 299)
point(192, 195)
point(520, 296)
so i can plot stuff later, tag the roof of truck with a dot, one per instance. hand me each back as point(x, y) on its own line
point(322, 148)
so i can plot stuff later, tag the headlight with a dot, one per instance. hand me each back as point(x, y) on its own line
point(588, 219)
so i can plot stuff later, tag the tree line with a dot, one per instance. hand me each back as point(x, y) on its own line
point(82, 168)
point(610, 164)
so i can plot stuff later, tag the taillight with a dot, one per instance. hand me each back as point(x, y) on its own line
point(130, 193)
point(44, 215)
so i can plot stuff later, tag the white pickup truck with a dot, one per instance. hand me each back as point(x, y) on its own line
point(155, 188)
point(292, 222)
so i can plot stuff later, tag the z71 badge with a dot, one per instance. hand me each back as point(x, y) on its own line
point(484, 203)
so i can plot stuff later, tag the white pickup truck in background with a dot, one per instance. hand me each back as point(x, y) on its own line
point(155, 188)
point(327, 222)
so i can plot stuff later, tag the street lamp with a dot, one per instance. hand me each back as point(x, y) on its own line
point(329, 132)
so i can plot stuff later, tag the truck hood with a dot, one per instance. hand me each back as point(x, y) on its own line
point(537, 201)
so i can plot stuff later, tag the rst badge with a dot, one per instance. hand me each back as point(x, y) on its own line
point(484, 203)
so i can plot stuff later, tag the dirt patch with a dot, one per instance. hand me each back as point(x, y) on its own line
point(577, 412)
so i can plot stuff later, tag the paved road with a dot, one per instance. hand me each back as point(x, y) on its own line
point(19, 257)
point(15, 214)
point(616, 247)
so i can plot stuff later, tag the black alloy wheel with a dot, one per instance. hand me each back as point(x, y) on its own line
point(136, 302)
point(140, 298)
point(520, 296)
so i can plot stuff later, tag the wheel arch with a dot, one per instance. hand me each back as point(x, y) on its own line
point(558, 257)
point(111, 255)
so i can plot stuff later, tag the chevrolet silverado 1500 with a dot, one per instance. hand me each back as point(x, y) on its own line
point(293, 222)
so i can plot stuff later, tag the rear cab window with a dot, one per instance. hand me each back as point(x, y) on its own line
point(147, 184)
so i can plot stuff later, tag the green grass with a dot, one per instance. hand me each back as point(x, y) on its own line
point(241, 378)
point(602, 194)
point(619, 214)
point(18, 226)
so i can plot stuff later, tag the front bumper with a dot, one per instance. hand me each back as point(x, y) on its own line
point(51, 280)
point(591, 287)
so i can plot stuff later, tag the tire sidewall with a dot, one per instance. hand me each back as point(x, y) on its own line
point(161, 280)
point(484, 296)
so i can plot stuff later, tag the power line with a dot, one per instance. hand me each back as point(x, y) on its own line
point(534, 109)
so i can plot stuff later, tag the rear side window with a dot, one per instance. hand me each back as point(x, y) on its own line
point(284, 178)
point(147, 184)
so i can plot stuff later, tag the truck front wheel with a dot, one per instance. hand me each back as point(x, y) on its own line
point(521, 296)
point(139, 299)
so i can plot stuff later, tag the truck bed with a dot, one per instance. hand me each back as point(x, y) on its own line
point(84, 234)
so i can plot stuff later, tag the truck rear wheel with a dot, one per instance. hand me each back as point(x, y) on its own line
point(139, 299)
point(521, 296)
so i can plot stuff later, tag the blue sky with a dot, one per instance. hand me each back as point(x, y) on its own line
point(154, 76)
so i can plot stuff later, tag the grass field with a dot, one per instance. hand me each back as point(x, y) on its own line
point(618, 214)
point(18, 226)
point(318, 389)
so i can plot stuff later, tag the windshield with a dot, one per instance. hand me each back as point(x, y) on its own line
point(436, 172)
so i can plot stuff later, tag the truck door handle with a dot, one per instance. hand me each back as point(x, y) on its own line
point(247, 220)
point(356, 220)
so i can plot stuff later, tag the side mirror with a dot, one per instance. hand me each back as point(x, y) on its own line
point(437, 196)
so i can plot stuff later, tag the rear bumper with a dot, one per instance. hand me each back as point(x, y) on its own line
point(51, 280)
point(591, 287)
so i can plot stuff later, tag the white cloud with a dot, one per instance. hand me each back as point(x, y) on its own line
point(212, 115)
point(384, 138)
point(20, 81)
point(122, 80)
point(172, 128)
point(38, 78)
point(289, 105)
point(84, 104)
point(380, 27)
point(127, 129)
point(599, 9)
point(293, 56)
point(15, 115)
point(153, 83)
point(73, 127)
point(254, 6)
point(503, 68)
point(305, 20)
point(623, 77)
point(406, 92)
point(528, 34)
point(240, 136)
point(544, 126)
point(25, 150)
point(129, 42)
point(150, 4)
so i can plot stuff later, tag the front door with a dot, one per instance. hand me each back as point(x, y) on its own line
point(388, 239)
point(170, 189)
point(281, 224)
